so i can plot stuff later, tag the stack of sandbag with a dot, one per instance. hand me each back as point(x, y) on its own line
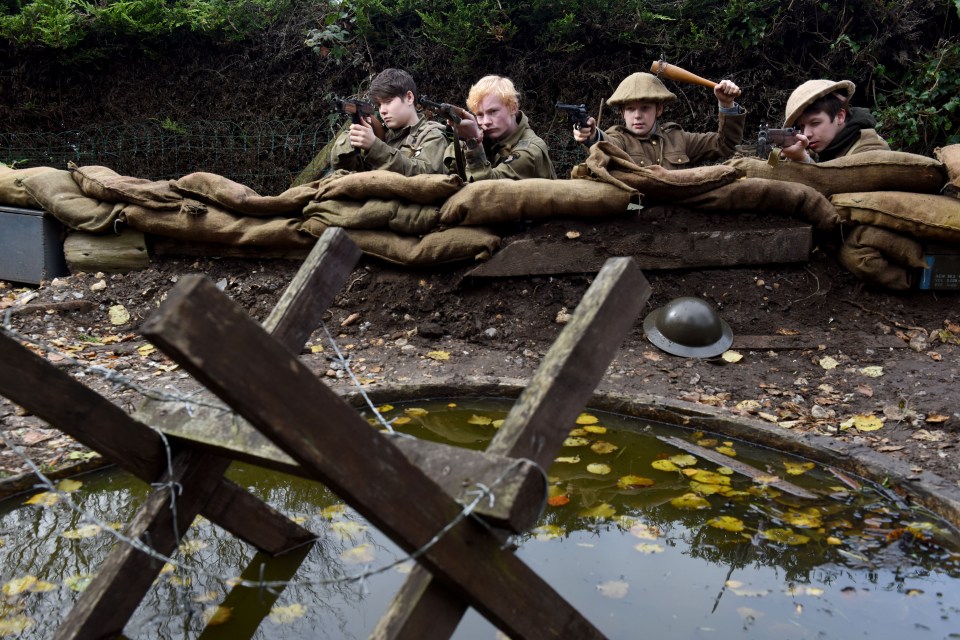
point(717, 188)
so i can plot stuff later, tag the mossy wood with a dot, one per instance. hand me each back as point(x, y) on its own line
point(110, 253)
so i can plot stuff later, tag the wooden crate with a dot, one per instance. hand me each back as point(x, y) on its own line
point(31, 245)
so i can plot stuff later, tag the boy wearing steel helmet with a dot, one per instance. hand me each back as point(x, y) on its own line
point(641, 98)
point(829, 127)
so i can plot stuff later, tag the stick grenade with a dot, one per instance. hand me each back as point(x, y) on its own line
point(678, 74)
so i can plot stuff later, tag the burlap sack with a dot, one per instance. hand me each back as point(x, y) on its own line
point(233, 196)
point(221, 227)
point(402, 217)
point(768, 196)
point(102, 183)
point(881, 257)
point(611, 164)
point(57, 192)
point(924, 216)
point(389, 185)
point(867, 171)
point(12, 191)
point(950, 157)
point(499, 201)
point(450, 245)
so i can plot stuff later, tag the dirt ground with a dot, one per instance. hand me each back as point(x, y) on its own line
point(820, 352)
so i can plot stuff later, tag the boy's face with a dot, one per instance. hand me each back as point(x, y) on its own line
point(496, 119)
point(399, 111)
point(819, 128)
point(639, 116)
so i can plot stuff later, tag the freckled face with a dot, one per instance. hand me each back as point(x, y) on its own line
point(496, 119)
point(639, 117)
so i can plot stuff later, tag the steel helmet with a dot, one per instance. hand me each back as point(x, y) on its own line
point(688, 327)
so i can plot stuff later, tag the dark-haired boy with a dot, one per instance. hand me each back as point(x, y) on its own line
point(829, 127)
point(412, 145)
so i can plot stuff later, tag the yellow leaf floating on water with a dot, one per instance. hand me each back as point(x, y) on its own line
point(497, 424)
point(833, 540)
point(78, 582)
point(439, 356)
point(872, 372)
point(683, 460)
point(798, 468)
point(347, 529)
point(586, 418)
point(479, 420)
point(415, 412)
point(568, 459)
point(190, 547)
point(549, 532)
point(599, 469)
point(615, 589)
point(727, 523)
point(806, 519)
point(664, 465)
point(385, 408)
point(727, 451)
point(15, 625)
point(862, 422)
point(785, 536)
point(709, 477)
point(634, 482)
point(579, 432)
point(87, 531)
point(286, 615)
point(599, 512)
point(731, 356)
point(44, 499)
point(333, 511)
point(217, 615)
point(361, 554)
point(603, 447)
point(649, 548)
point(644, 531)
point(69, 486)
point(828, 363)
point(19, 585)
point(402, 420)
point(576, 442)
point(690, 501)
point(705, 489)
point(595, 428)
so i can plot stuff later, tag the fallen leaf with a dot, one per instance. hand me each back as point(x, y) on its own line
point(217, 615)
point(872, 372)
point(615, 589)
point(862, 423)
point(558, 501)
point(865, 390)
point(573, 235)
point(576, 442)
point(936, 418)
point(634, 482)
point(690, 501)
point(119, 314)
point(361, 554)
point(601, 447)
point(649, 548)
point(586, 418)
point(438, 355)
point(479, 420)
point(797, 468)
point(600, 512)
point(599, 469)
point(286, 615)
point(568, 459)
point(727, 523)
point(787, 332)
point(731, 356)
point(87, 531)
point(785, 536)
point(549, 532)
point(828, 363)
point(15, 625)
point(595, 429)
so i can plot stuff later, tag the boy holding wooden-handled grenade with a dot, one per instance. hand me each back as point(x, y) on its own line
point(641, 98)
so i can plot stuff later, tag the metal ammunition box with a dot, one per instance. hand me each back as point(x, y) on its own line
point(31, 246)
point(943, 268)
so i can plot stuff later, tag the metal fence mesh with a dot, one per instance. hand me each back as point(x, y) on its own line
point(265, 156)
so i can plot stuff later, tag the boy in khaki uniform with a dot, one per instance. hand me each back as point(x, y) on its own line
point(641, 98)
point(497, 140)
point(830, 128)
point(412, 145)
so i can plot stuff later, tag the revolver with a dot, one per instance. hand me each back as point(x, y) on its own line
point(576, 113)
point(769, 138)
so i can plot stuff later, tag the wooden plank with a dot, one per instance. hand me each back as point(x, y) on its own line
point(537, 424)
point(651, 251)
point(740, 467)
point(164, 247)
point(52, 395)
point(108, 252)
point(519, 491)
point(120, 583)
point(283, 399)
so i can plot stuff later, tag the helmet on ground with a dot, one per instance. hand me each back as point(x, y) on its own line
point(643, 87)
point(688, 327)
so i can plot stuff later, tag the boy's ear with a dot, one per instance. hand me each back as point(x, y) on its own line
point(659, 109)
point(409, 98)
point(842, 116)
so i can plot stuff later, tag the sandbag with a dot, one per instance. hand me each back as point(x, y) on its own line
point(220, 226)
point(389, 185)
point(105, 184)
point(12, 191)
point(57, 192)
point(449, 245)
point(768, 196)
point(403, 217)
point(868, 171)
point(233, 196)
point(611, 164)
point(950, 157)
point(922, 215)
point(881, 257)
point(500, 201)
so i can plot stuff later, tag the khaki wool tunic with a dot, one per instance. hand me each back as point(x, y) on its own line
point(673, 148)
point(412, 151)
point(523, 154)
